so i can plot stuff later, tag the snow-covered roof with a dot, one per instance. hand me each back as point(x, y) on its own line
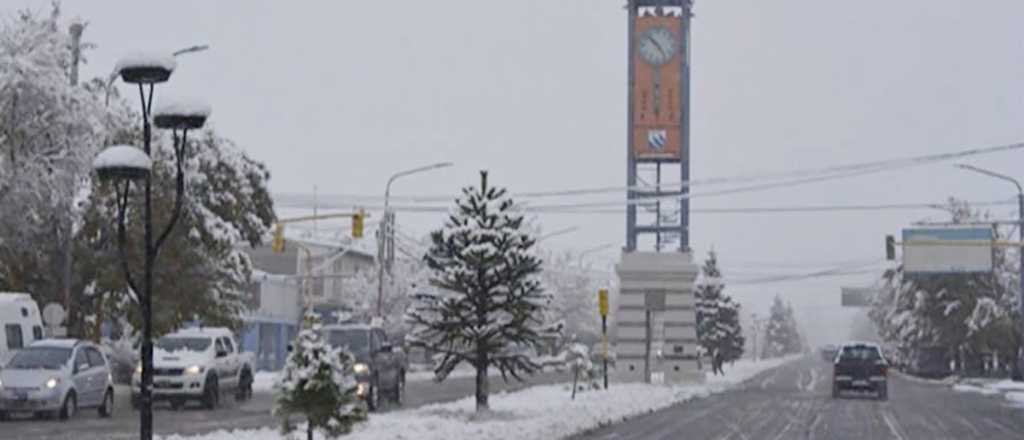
point(181, 107)
point(123, 156)
point(140, 59)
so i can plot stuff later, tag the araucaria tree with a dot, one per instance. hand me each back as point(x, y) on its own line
point(718, 317)
point(487, 306)
point(318, 382)
point(781, 336)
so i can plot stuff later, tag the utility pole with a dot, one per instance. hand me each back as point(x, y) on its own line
point(1018, 372)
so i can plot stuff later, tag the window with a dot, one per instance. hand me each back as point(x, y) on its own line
point(37, 333)
point(81, 360)
point(219, 346)
point(228, 345)
point(95, 358)
point(14, 340)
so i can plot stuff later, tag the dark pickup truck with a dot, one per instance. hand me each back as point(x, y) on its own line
point(860, 366)
point(380, 366)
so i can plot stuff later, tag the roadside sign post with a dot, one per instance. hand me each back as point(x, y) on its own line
point(602, 305)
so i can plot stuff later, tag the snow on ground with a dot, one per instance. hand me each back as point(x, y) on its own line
point(540, 412)
point(263, 381)
point(966, 388)
point(1010, 390)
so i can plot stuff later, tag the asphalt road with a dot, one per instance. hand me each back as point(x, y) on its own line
point(795, 402)
point(254, 413)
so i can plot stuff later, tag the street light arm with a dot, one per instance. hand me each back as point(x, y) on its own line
point(179, 153)
point(122, 207)
point(395, 176)
point(1020, 190)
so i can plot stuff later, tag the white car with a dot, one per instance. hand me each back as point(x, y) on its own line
point(197, 364)
point(57, 377)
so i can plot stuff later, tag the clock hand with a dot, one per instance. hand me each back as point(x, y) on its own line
point(657, 45)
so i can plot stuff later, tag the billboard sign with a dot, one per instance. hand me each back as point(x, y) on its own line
point(947, 249)
point(856, 296)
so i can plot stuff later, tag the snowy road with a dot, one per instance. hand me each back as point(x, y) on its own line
point(795, 402)
point(252, 414)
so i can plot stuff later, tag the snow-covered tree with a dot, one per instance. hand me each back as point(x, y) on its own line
point(50, 129)
point(781, 336)
point(318, 383)
point(406, 279)
point(202, 270)
point(718, 317)
point(573, 289)
point(952, 317)
point(488, 307)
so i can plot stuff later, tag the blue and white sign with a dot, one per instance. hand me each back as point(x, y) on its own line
point(656, 139)
point(947, 249)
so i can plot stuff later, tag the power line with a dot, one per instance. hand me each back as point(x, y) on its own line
point(806, 175)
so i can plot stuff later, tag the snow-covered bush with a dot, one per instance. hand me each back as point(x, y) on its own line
point(318, 383)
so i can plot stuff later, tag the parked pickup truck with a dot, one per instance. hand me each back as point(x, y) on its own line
point(197, 364)
point(380, 366)
point(860, 366)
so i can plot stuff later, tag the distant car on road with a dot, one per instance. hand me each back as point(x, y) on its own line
point(860, 366)
point(197, 364)
point(57, 377)
point(380, 366)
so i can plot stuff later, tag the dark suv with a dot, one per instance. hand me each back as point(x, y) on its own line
point(860, 366)
point(380, 366)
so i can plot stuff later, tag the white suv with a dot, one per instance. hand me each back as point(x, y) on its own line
point(57, 377)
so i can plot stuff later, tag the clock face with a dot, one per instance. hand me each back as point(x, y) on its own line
point(657, 45)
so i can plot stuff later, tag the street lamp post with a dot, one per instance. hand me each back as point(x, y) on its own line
point(123, 164)
point(1019, 365)
point(386, 227)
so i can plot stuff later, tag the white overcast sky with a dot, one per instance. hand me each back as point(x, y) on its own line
point(340, 94)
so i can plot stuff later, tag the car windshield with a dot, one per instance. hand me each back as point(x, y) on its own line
point(860, 353)
point(175, 343)
point(356, 340)
point(48, 358)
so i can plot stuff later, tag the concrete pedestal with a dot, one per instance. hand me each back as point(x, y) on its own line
point(656, 302)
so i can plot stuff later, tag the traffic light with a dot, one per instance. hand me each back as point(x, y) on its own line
point(890, 248)
point(278, 244)
point(357, 224)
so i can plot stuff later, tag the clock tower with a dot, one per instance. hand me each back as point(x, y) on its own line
point(658, 138)
point(655, 321)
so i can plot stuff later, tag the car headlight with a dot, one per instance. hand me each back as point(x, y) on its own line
point(52, 382)
point(361, 368)
point(194, 369)
point(138, 369)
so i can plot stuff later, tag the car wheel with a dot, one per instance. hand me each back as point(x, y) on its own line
point(244, 391)
point(211, 393)
point(883, 392)
point(3, 416)
point(835, 391)
point(399, 395)
point(70, 407)
point(106, 408)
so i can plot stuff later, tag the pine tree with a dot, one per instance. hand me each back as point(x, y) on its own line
point(781, 334)
point(488, 307)
point(718, 326)
point(318, 382)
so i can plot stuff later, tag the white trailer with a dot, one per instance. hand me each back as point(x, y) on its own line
point(20, 323)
